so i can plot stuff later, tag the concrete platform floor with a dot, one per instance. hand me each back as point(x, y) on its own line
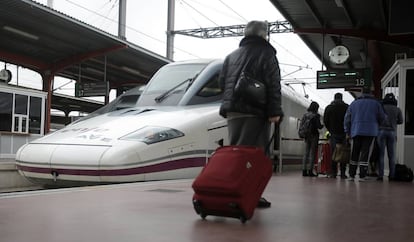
point(303, 209)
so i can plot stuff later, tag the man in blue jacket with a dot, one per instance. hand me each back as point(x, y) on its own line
point(361, 123)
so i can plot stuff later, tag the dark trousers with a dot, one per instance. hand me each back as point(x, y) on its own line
point(360, 154)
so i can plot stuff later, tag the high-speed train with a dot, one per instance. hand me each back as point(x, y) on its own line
point(167, 133)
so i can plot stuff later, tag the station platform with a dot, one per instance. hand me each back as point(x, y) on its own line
point(309, 209)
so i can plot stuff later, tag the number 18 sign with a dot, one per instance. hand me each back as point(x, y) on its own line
point(338, 78)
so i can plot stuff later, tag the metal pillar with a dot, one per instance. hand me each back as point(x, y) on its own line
point(170, 29)
point(47, 78)
point(122, 19)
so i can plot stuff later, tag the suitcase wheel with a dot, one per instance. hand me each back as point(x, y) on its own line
point(198, 209)
point(243, 219)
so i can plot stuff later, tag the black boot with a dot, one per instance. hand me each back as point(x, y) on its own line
point(343, 169)
point(310, 173)
point(304, 173)
point(263, 203)
point(363, 171)
point(352, 170)
point(334, 170)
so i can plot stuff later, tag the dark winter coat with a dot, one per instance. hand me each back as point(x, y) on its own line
point(333, 118)
point(316, 124)
point(394, 117)
point(259, 58)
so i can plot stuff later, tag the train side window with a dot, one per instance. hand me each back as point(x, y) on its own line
point(212, 88)
point(211, 92)
point(6, 107)
point(127, 102)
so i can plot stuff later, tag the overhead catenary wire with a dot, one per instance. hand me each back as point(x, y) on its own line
point(231, 9)
point(203, 15)
point(189, 7)
point(102, 8)
point(273, 41)
point(208, 6)
point(129, 28)
point(164, 42)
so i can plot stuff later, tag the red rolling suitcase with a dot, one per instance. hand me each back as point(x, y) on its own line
point(324, 159)
point(232, 182)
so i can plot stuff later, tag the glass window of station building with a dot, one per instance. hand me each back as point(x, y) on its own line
point(21, 112)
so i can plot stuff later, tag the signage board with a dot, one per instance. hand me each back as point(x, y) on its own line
point(347, 78)
point(90, 89)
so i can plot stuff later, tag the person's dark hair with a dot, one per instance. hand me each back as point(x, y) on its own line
point(313, 107)
point(390, 99)
point(338, 96)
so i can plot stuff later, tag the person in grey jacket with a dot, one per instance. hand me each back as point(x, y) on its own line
point(361, 123)
point(387, 134)
point(248, 123)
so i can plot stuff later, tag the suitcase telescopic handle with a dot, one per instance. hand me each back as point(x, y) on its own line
point(267, 147)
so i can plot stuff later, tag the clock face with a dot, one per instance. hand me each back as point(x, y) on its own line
point(5, 75)
point(339, 54)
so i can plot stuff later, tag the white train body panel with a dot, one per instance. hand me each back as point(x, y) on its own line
point(169, 138)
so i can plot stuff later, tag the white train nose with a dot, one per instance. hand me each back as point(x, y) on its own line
point(56, 162)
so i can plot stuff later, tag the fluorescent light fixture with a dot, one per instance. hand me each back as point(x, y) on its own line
point(339, 3)
point(21, 32)
point(94, 70)
point(130, 70)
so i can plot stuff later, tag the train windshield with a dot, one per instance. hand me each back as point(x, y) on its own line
point(170, 77)
point(126, 100)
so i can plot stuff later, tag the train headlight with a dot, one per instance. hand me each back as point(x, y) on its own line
point(153, 134)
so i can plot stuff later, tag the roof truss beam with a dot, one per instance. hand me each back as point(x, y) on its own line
point(233, 30)
point(345, 7)
point(84, 56)
point(405, 39)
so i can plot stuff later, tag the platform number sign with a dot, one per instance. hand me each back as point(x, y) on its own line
point(349, 78)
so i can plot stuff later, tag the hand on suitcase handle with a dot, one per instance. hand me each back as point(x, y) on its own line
point(275, 119)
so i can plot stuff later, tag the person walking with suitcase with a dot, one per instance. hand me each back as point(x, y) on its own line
point(249, 120)
point(333, 118)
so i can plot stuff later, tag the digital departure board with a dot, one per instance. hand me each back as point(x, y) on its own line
point(348, 78)
point(91, 89)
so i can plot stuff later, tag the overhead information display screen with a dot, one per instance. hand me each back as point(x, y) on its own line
point(91, 89)
point(343, 78)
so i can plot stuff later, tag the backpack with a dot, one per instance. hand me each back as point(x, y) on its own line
point(305, 126)
point(403, 173)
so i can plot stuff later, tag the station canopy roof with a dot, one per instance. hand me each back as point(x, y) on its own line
point(375, 31)
point(39, 38)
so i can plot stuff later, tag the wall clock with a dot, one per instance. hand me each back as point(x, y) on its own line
point(339, 54)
